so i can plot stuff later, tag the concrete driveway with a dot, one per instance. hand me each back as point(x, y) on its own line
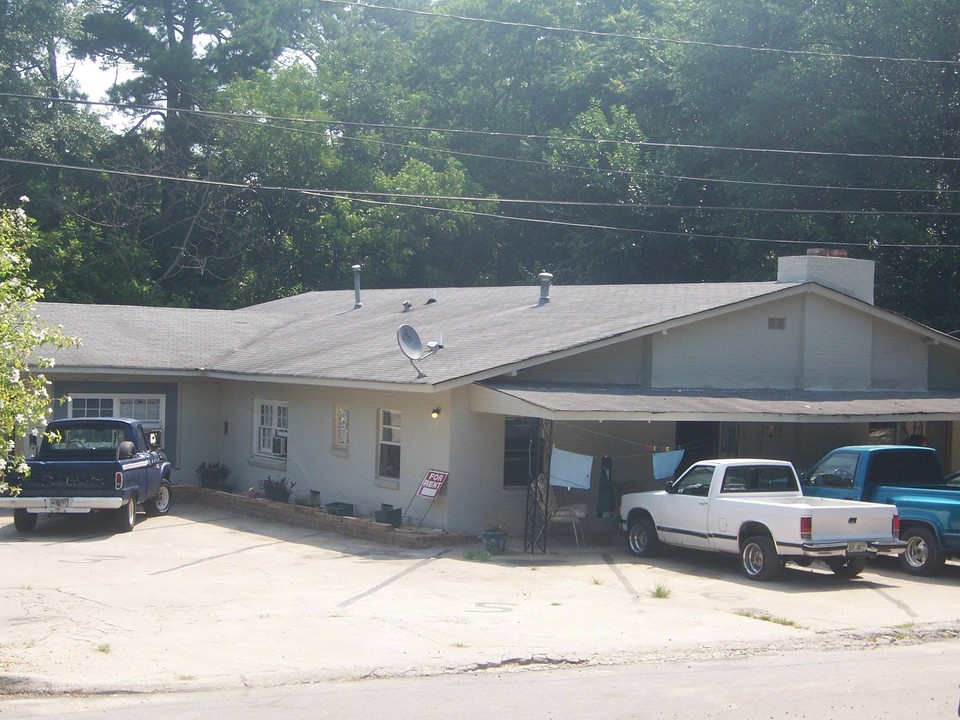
point(205, 598)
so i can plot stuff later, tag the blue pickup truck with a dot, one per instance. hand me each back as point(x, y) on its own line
point(910, 477)
point(93, 464)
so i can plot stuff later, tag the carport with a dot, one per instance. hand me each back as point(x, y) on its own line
point(798, 425)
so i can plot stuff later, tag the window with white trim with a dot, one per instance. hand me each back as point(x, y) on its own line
point(147, 408)
point(272, 426)
point(388, 450)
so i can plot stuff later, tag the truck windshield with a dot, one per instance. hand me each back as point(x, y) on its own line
point(93, 440)
point(835, 470)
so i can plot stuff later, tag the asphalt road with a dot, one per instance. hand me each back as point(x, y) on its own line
point(204, 599)
point(891, 682)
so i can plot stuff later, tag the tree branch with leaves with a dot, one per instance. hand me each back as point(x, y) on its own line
point(25, 344)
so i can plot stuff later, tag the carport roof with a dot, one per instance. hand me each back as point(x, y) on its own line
point(620, 402)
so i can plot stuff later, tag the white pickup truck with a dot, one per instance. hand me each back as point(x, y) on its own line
point(754, 508)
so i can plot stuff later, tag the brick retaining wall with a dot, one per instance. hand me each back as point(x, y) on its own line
point(319, 519)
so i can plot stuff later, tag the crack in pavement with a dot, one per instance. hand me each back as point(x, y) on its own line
point(25, 686)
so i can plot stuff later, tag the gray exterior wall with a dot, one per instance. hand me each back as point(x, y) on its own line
point(621, 364)
point(738, 350)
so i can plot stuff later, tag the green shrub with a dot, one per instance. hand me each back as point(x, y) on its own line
point(276, 489)
point(213, 475)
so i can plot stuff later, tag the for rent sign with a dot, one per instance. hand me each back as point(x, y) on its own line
point(432, 483)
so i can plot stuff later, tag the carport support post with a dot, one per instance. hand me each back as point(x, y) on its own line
point(538, 499)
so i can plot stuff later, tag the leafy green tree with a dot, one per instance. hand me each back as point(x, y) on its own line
point(181, 53)
point(310, 233)
point(46, 133)
point(24, 343)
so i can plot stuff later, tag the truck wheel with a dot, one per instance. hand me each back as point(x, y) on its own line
point(847, 567)
point(24, 521)
point(759, 559)
point(125, 516)
point(642, 537)
point(159, 504)
point(922, 555)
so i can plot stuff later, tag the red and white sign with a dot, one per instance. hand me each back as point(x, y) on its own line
point(432, 483)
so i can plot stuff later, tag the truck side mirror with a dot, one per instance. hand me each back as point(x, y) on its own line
point(670, 487)
point(155, 439)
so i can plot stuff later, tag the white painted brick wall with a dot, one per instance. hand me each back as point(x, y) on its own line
point(847, 275)
point(899, 359)
point(737, 351)
point(837, 347)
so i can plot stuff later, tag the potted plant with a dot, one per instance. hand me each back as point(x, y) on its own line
point(494, 538)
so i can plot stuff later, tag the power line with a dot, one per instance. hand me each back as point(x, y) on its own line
point(364, 194)
point(365, 197)
point(646, 38)
point(260, 120)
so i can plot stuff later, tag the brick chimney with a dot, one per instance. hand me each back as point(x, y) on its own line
point(832, 269)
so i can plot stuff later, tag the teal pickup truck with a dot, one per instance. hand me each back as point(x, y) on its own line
point(910, 477)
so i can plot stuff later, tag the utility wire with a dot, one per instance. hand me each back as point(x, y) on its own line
point(265, 121)
point(366, 194)
point(350, 196)
point(645, 38)
point(511, 135)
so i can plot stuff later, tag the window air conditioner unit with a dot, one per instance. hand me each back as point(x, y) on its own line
point(280, 446)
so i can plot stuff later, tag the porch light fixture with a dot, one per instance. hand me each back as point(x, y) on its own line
point(436, 413)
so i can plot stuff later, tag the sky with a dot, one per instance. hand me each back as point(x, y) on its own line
point(94, 82)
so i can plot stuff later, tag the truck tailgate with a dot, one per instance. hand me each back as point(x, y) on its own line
point(849, 520)
point(79, 478)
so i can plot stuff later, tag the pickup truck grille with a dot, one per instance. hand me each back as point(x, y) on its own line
point(48, 481)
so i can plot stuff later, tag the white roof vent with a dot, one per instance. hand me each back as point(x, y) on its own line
point(545, 280)
point(356, 287)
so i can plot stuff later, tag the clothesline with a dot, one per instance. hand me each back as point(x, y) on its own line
point(573, 470)
point(649, 448)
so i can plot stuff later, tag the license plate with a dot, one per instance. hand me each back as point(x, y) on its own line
point(856, 547)
point(58, 504)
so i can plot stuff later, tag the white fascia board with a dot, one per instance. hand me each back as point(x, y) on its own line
point(412, 387)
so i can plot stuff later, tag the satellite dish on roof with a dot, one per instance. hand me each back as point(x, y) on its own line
point(409, 342)
point(410, 345)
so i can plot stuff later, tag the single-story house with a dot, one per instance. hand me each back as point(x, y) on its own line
point(487, 384)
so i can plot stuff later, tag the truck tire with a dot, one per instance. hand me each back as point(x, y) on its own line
point(847, 567)
point(160, 503)
point(759, 559)
point(24, 521)
point(125, 516)
point(642, 537)
point(923, 555)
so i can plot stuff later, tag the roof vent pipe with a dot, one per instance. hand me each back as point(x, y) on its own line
point(545, 280)
point(356, 288)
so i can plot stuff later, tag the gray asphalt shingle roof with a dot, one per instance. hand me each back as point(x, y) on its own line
point(319, 336)
point(777, 404)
